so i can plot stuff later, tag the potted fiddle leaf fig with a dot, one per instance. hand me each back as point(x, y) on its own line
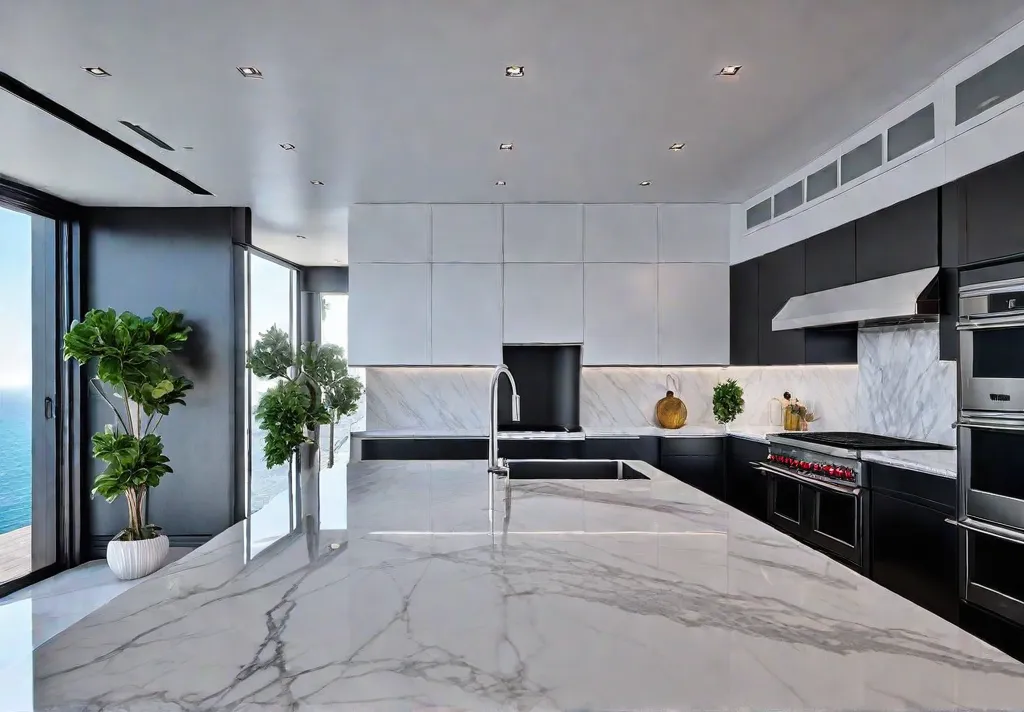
point(133, 379)
point(314, 389)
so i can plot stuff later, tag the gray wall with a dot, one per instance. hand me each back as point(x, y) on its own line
point(327, 280)
point(180, 258)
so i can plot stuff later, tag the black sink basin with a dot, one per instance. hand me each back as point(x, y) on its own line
point(572, 470)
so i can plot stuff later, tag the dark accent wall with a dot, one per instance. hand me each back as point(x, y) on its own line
point(180, 258)
point(326, 280)
point(548, 381)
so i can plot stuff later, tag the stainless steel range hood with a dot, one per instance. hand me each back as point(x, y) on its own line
point(900, 299)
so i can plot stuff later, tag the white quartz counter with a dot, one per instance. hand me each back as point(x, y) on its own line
point(752, 432)
point(588, 594)
point(933, 462)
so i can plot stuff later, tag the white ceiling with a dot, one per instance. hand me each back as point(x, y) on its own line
point(406, 100)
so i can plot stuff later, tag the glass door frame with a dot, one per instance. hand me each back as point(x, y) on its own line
point(56, 402)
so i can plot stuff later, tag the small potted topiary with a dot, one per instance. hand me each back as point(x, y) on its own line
point(129, 352)
point(727, 401)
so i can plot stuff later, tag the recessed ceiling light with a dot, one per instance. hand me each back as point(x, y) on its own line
point(97, 71)
point(499, 182)
point(514, 71)
point(301, 237)
point(316, 182)
point(287, 146)
point(676, 147)
point(645, 183)
point(188, 148)
point(730, 70)
point(250, 72)
point(504, 146)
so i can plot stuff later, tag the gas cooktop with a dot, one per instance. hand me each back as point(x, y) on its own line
point(859, 441)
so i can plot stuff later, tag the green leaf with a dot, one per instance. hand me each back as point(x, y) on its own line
point(727, 401)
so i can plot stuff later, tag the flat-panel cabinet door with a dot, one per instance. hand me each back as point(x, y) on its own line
point(466, 233)
point(389, 315)
point(543, 233)
point(831, 259)
point(693, 233)
point(620, 314)
point(743, 313)
point(901, 238)
point(620, 233)
point(995, 211)
point(693, 314)
point(543, 303)
point(389, 233)
point(465, 315)
point(780, 276)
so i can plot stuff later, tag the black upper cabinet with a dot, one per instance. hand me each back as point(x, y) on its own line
point(994, 211)
point(900, 238)
point(743, 288)
point(781, 276)
point(831, 259)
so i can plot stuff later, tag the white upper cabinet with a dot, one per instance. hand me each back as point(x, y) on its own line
point(620, 233)
point(692, 232)
point(466, 233)
point(465, 311)
point(389, 233)
point(543, 233)
point(389, 315)
point(543, 303)
point(620, 307)
point(693, 314)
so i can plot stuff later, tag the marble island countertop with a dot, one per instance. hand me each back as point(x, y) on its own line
point(582, 595)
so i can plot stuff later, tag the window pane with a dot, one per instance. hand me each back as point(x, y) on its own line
point(270, 305)
point(15, 395)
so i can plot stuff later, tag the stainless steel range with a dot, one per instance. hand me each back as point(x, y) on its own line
point(818, 484)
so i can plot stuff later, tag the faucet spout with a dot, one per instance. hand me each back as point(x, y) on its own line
point(493, 463)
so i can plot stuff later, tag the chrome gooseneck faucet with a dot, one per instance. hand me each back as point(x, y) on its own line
point(494, 465)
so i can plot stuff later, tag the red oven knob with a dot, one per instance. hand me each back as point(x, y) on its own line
point(831, 470)
point(817, 467)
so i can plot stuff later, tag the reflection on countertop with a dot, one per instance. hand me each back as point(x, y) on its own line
point(591, 595)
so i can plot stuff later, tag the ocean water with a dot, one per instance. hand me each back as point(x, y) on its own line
point(15, 460)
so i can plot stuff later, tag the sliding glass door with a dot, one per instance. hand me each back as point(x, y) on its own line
point(29, 473)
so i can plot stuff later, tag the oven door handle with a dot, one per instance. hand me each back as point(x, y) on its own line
point(771, 470)
point(990, 529)
point(997, 321)
point(1011, 424)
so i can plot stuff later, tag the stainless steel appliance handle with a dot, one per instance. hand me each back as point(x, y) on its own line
point(990, 529)
point(996, 321)
point(771, 470)
point(987, 288)
point(1014, 423)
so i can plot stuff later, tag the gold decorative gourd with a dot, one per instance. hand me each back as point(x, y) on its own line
point(670, 412)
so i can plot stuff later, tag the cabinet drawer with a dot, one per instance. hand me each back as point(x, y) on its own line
point(692, 446)
point(700, 471)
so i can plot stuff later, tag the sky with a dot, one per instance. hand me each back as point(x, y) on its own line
point(15, 299)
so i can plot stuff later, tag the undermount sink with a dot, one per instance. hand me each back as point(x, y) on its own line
point(572, 470)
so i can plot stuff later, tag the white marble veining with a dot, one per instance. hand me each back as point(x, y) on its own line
point(641, 594)
point(625, 396)
point(904, 389)
point(427, 398)
point(934, 462)
point(750, 432)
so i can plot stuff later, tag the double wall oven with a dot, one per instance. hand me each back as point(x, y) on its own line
point(991, 452)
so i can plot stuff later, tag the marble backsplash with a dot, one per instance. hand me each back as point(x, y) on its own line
point(427, 398)
point(625, 397)
point(904, 389)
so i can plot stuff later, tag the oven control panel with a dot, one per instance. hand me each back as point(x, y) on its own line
point(817, 465)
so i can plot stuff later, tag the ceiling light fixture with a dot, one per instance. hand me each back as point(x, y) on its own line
point(188, 148)
point(287, 146)
point(499, 182)
point(316, 182)
point(676, 147)
point(97, 71)
point(514, 71)
point(504, 146)
point(730, 70)
point(645, 183)
point(301, 237)
point(250, 72)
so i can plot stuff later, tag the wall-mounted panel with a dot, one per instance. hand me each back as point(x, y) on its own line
point(693, 232)
point(466, 233)
point(620, 308)
point(465, 314)
point(543, 233)
point(620, 233)
point(543, 303)
point(862, 159)
point(693, 314)
point(389, 233)
point(389, 315)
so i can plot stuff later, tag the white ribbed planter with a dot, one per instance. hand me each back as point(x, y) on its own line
point(135, 559)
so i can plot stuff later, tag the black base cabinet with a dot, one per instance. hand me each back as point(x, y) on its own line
point(699, 462)
point(746, 489)
point(645, 449)
point(913, 549)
